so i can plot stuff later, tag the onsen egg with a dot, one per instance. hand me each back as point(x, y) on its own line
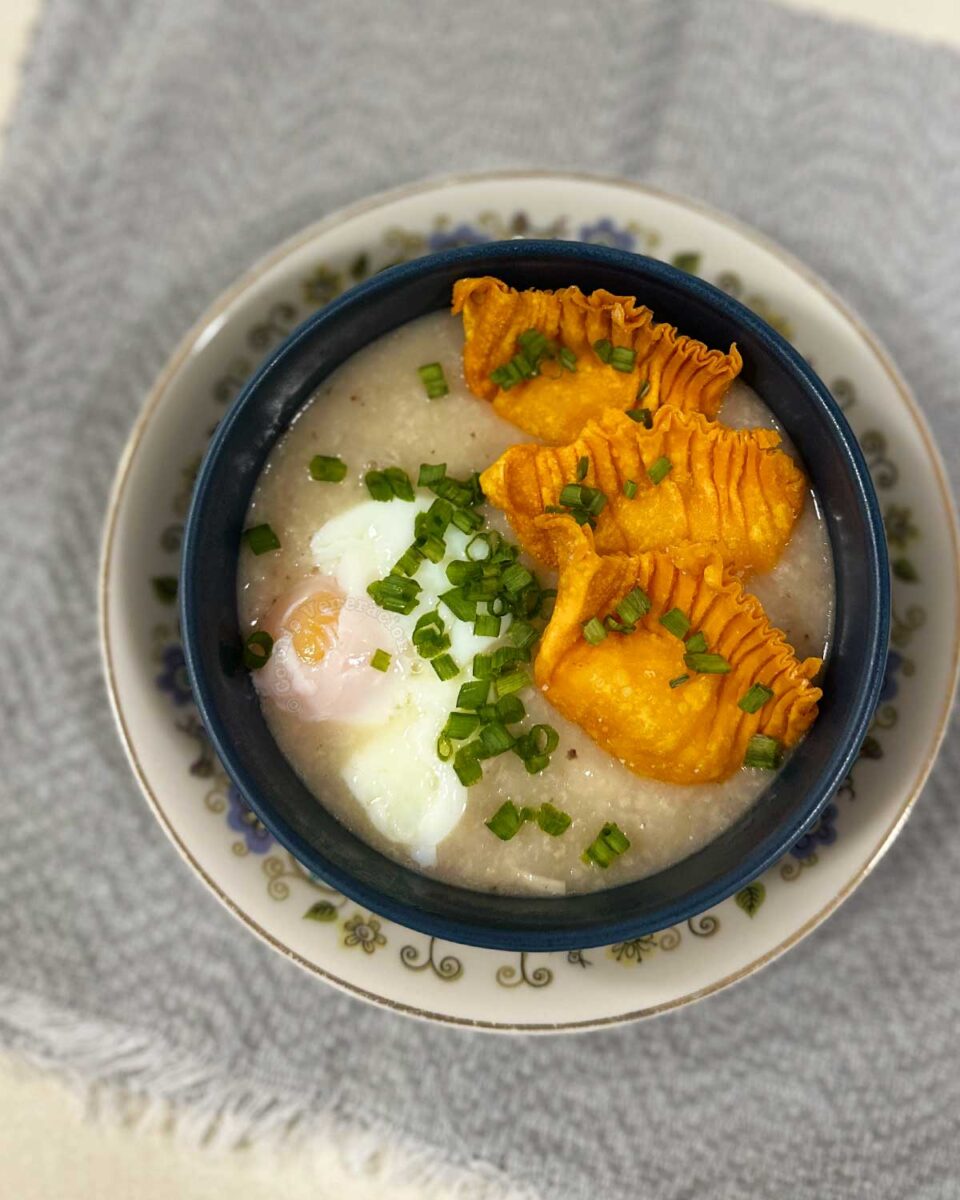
point(326, 631)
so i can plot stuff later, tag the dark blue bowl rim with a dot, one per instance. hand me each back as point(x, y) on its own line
point(500, 937)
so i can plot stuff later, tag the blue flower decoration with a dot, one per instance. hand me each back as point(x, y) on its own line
point(890, 687)
point(605, 233)
point(259, 839)
point(822, 834)
point(173, 678)
point(460, 235)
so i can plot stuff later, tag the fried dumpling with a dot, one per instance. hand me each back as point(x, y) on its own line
point(619, 689)
point(554, 405)
point(732, 488)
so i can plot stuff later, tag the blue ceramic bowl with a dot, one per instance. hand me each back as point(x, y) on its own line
point(228, 702)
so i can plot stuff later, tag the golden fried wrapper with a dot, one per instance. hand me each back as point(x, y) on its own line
point(618, 691)
point(732, 488)
point(555, 405)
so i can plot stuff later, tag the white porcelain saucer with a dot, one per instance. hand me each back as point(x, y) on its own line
point(323, 931)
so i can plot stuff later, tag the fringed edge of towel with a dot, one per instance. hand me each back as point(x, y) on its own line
point(129, 1078)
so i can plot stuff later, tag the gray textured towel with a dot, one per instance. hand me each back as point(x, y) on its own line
point(156, 150)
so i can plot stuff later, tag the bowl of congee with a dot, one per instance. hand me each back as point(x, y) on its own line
point(534, 595)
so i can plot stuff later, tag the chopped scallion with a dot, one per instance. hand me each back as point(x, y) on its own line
point(496, 738)
point(568, 360)
point(634, 605)
point(676, 622)
point(515, 578)
point(594, 631)
point(326, 468)
point(707, 664)
point(486, 625)
point(583, 466)
point(261, 539)
point(763, 752)
point(622, 358)
point(696, 644)
point(467, 767)
point(608, 845)
point(257, 650)
point(461, 725)
point(514, 682)
point(380, 660)
point(506, 821)
point(510, 709)
point(378, 485)
point(473, 693)
point(642, 416)
point(462, 608)
point(467, 521)
point(659, 470)
point(444, 748)
point(431, 473)
point(433, 380)
point(755, 698)
point(630, 489)
point(399, 482)
point(603, 349)
point(680, 679)
point(552, 820)
point(445, 667)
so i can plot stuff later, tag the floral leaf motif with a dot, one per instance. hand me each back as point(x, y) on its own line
point(687, 260)
point(321, 910)
point(871, 748)
point(904, 570)
point(363, 932)
point(899, 525)
point(165, 588)
point(751, 897)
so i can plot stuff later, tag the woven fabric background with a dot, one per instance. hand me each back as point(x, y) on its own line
point(157, 149)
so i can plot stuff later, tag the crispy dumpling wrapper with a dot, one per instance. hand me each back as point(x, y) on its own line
point(618, 691)
point(733, 488)
point(555, 405)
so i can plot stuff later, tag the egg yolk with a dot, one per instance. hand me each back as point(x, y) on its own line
point(312, 626)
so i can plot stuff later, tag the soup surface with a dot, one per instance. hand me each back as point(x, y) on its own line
point(365, 741)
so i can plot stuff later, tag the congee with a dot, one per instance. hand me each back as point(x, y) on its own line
point(535, 593)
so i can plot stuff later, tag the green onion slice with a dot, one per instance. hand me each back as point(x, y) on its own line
point(603, 349)
point(696, 644)
point(399, 482)
point(467, 767)
point(568, 360)
point(486, 625)
point(378, 485)
point(514, 682)
point(583, 466)
point(755, 698)
point(642, 416)
point(510, 709)
point(380, 660)
point(763, 752)
point(506, 821)
point(326, 468)
point(553, 821)
point(473, 693)
point(642, 390)
point(431, 473)
point(630, 489)
point(496, 738)
point(261, 539)
point(433, 380)
point(461, 725)
point(707, 664)
point(257, 650)
point(680, 679)
point(623, 359)
point(660, 469)
point(634, 605)
point(609, 843)
point(594, 631)
point(444, 748)
point(676, 622)
point(445, 667)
